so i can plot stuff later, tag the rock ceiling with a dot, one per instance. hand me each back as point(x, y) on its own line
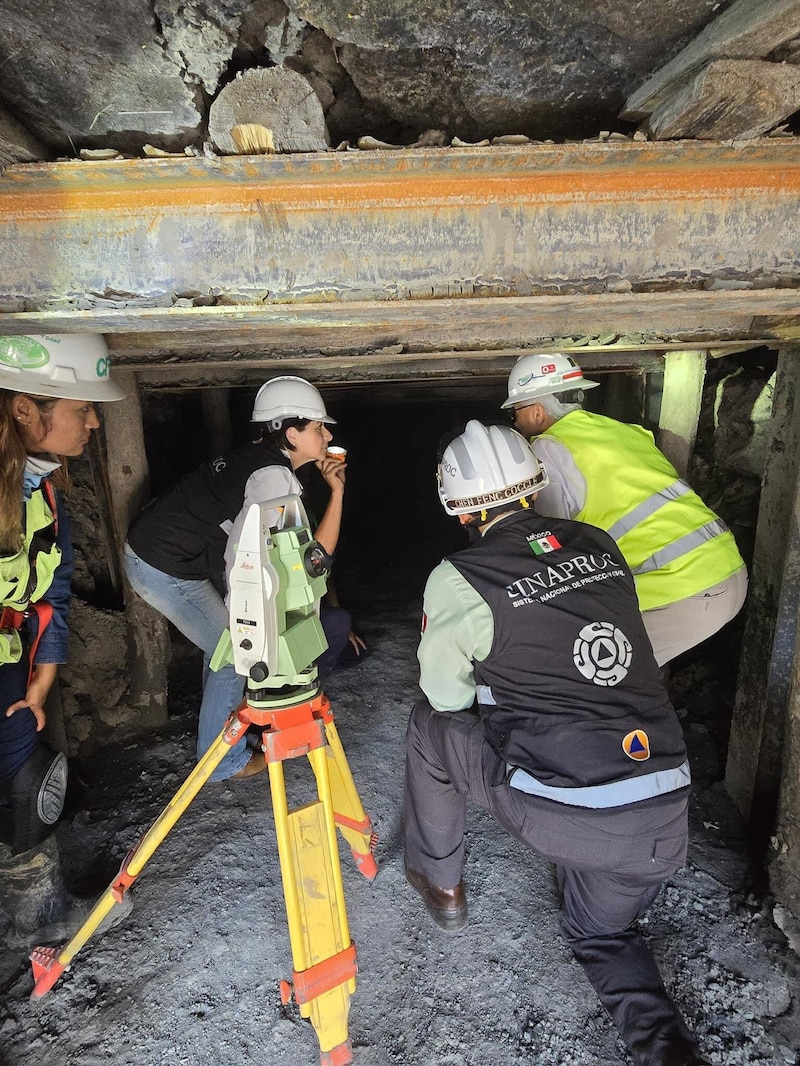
point(92, 75)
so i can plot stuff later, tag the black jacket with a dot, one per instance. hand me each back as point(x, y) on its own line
point(571, 674)
point(182, 533)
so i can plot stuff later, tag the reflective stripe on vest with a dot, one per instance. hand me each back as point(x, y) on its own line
point(647, 507)
point(681, 546)
point(613, 794)
point(678, 547)
point(27, 575)
point(635, 494)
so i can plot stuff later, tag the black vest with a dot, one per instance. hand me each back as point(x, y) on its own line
point(181, 532)
point(571, 674)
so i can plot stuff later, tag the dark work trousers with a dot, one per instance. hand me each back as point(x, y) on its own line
point(18, 736)
point(336, 622)
point(18, 739)
point(610, 866)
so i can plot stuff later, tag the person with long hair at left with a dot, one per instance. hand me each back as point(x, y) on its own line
point(48, 389)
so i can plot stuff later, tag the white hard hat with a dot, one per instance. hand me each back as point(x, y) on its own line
point(289, 397)
point(68, 366)
point(487, 466)
point(533, 376)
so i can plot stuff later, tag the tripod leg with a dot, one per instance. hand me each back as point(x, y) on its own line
point(322, 954)
point(353, 823)
point(49, 963)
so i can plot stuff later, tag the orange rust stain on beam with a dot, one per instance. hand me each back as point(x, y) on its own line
point(640, 182)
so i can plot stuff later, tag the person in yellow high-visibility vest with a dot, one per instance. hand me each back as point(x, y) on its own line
point(690, 577)
point(48, 389)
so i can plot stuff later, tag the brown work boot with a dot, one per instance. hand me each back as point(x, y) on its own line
point(256, 765)
point(447, 906)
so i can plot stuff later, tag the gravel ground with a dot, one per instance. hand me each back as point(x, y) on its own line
point(191, 976)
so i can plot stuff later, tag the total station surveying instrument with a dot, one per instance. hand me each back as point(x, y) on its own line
point(275, 636)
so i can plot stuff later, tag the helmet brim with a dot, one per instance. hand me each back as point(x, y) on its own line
point(578, 383)
point(36, 385)
point(284, 418)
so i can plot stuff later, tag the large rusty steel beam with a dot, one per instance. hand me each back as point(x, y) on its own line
point(386, 226)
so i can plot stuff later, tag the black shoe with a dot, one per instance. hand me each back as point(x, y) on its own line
point(447, 906)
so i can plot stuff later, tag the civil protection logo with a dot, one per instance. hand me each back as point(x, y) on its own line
point(636, 745)
point(602, 653)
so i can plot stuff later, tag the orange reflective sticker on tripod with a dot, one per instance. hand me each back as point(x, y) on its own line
point(636, 745)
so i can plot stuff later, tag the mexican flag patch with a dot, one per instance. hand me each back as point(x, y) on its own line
point(539, 543)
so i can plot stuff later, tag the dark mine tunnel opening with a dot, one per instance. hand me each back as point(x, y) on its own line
point(394, 532)
point(394, 529)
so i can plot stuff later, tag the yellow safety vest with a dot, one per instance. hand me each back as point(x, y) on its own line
point(674, 544)
point(26, 576)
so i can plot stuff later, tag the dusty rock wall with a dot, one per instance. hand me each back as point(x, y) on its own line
point(93, 75)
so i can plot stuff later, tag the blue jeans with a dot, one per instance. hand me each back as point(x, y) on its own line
point(199, 612)
point(224, 691)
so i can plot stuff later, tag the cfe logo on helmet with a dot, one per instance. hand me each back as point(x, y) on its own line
point(68, 366)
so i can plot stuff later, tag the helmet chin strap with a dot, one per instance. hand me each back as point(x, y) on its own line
point(480, 518)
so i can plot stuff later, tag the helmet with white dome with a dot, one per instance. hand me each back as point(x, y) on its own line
point(68, 366)
point(289, 397)
point(485, 467)
point(534, 376)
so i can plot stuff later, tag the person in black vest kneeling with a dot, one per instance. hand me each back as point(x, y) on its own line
point(575, 748)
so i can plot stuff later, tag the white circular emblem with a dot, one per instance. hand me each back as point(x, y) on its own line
point(602, 653)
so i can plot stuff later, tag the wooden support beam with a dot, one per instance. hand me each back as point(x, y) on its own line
point(148, 640)
point(770, 651)
point(97, 455)
point(351, 335)
point(748, 29)
point(275, 99)
point(681, 400)
point(414, 370)
point(784, 867)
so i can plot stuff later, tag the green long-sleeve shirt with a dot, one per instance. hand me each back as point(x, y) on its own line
point(457, 629)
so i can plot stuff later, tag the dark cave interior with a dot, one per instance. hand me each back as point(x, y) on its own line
point(395, 531)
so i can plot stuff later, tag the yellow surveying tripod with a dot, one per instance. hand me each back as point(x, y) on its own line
point(275, 636)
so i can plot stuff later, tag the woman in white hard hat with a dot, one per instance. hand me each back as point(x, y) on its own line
point(48, 387)
point(181, 546)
